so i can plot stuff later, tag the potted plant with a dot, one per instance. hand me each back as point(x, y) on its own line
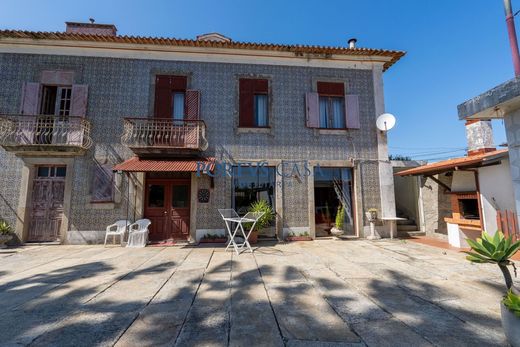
point(340, 218)
point(371, 214)
point(5, 233)
point(263, 222)
point(213, 238)
point(498, 250)
point(298, 237)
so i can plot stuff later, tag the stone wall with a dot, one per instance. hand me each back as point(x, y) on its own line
point(437, 205)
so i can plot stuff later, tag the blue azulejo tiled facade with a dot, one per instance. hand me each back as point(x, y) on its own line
point(122, 87)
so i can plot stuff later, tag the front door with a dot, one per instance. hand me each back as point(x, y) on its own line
point(47, 203)
point(168, 208)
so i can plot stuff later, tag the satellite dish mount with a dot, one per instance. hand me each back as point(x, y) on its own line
point(385, 122)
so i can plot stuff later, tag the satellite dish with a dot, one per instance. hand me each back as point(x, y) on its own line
point(385, 122)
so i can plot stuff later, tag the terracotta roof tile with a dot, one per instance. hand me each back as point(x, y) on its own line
point(297, 49)
point(446, 165)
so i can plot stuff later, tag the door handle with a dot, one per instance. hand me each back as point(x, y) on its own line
point(165, 212)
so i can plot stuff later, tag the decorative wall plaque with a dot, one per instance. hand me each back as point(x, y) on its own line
point(203, 195)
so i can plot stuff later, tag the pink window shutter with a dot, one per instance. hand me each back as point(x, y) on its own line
point(312, 110)
point(192, 102)
point(78, 105)
point(30, 98)
point(352, 111)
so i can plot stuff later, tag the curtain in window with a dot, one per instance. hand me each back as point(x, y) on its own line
point(261, 110)
point(338, 110)
point(323, 112)
point(178, 105)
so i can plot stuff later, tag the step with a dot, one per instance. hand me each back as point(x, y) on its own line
point(407, 227)
point(405, 222)
point(410, 233)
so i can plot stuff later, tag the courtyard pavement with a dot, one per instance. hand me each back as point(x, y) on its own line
point(321, 293)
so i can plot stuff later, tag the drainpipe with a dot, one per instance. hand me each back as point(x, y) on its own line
point(513, 42)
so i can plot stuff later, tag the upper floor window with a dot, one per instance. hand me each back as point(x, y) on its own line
point(330, 108)
point(331, 105)
point(253, 103)
point(173, 100)
point(56, 100)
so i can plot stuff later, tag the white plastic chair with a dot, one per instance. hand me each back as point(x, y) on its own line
point(117, 229)
point(138, 233)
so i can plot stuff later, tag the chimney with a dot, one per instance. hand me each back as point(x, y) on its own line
point(91, 28)
point(479, 134)
point(352, 43)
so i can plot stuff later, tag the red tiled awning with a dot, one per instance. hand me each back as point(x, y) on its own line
point(136, 164)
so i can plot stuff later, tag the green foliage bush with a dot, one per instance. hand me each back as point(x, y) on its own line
point(5, 228)
point(340, 217)
point(512, 302)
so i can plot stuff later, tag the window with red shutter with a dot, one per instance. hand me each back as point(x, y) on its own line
point(331, 105)
point(170, 95)
point(253, 103)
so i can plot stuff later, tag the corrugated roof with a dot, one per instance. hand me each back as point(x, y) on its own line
point(297, 49)
point(446, 165)
point(136, 164)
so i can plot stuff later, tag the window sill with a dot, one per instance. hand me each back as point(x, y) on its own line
point(326, 131)
point(254, 130)
point(102, 205)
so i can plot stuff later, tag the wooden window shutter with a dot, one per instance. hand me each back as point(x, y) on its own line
point(179, 83)
point(312, 110)
point(192, 106)
point(352, 111)
point(78, 104)
point(331, 88)
point(163, 97)
point(102, 188)
point(246, 102)
point(30, 98)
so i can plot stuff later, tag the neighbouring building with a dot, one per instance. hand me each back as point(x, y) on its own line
point(98, 127)
point(478, 186)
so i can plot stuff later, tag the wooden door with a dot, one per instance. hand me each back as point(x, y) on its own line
point(180, 209)
point(47, 203)
point(156, 209)
point(168, 208)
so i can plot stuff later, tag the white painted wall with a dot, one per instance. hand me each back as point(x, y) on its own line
point(496, 192)
point(463, 181)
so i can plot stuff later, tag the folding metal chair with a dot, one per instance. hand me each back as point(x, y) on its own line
point(230, 216)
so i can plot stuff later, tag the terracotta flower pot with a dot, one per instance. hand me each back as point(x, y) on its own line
point(4, 239)
point(511, 325)
point(253, 238)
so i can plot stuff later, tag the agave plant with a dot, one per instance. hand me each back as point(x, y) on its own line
point(5, 228)
point(496, 249)
point(512, 302)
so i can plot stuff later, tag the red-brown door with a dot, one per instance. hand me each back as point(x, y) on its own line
point(168, 208)
point(47, 203)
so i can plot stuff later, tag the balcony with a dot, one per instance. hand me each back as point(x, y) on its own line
point(45, 135)
point(165, 137)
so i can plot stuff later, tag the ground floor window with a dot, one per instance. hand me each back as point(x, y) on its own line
point(333, 200)
point(251, 184)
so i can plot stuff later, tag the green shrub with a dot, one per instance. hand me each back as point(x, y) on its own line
point(512, 302)
point(5, 228)
point(340, 217)
point(267, 217)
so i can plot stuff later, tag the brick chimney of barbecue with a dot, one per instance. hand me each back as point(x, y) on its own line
point(90, 28)
point(479, 135)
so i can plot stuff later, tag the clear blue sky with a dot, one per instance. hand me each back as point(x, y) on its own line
point(456, 48)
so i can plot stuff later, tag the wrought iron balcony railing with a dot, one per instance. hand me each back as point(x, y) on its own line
point(22, 133)
point(150, 135)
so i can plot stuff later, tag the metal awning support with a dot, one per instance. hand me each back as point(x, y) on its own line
point(439, 182)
